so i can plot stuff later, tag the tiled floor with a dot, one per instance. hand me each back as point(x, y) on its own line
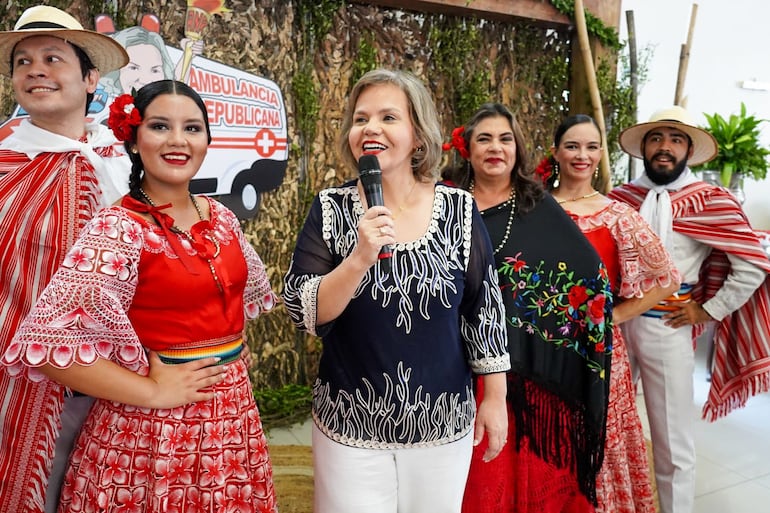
point(733, 465)
point(733, 453)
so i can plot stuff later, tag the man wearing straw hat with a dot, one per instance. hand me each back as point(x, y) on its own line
point(55, 172)
point(725, 279)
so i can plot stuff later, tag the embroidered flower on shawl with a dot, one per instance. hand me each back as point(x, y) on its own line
point(458, 143)
point(544, 169)
point(124, 117)
point(596, 309)
point(577, 295)
point(518, 263)
point(577, 309)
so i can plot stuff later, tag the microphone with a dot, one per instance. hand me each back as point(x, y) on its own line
point(371, 178)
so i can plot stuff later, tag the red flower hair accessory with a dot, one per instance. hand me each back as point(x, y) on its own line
point(458, 142)
point(544, 169)
point(124, 116)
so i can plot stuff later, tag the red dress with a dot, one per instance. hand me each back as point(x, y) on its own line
point(122, 289)
point(636, 262)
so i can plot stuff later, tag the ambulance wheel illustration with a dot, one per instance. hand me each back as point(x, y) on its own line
point(244, 198)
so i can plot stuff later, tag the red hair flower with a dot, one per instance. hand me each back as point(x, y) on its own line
point(458, 143)
point(544, 170)
point(124, 116)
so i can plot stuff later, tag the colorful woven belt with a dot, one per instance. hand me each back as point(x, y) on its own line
point(228, 351)
point(683, 295)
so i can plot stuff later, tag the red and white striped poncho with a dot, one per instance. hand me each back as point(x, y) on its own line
point(44, 202)
point(712, 216)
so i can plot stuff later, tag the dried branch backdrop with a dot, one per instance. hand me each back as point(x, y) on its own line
point(315, 51)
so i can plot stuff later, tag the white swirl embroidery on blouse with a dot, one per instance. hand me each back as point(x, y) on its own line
point(410, 417)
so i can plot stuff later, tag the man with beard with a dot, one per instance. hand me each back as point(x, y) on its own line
point(724, 272)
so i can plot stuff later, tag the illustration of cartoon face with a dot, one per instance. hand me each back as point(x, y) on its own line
point(145, 65)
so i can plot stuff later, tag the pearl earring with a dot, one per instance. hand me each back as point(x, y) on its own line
point(556, 175)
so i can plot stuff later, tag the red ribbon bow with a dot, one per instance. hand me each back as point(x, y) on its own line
point(202, 243)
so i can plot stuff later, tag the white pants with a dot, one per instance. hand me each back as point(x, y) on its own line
point(73, 415)
point(415, 480)
point(665, 360)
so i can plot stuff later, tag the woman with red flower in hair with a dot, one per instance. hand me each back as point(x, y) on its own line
point(167, 278)
point(641, 273)
point(558, 307)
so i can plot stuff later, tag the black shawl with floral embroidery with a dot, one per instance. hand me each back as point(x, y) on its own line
point(558, 309)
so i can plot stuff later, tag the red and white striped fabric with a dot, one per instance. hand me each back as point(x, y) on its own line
point(44, 202)
point(712, 216)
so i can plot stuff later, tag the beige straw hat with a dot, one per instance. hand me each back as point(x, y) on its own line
point(703, 143)
point(43, 20)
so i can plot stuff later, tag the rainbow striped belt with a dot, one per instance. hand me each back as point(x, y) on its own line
point(683, 295)
point(227, 350)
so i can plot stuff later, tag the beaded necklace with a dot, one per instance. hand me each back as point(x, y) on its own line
point(191, 239)
point(512, 201)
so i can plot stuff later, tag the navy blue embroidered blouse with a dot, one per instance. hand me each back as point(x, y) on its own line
point(396, 364)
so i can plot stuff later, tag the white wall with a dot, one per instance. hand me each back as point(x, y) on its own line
point(731, 43)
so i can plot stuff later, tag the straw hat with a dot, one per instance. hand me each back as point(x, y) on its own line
point(43, 20)
point(704, 146)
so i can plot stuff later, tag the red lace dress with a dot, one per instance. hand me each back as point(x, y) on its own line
point(636, 261)
point(122, 289)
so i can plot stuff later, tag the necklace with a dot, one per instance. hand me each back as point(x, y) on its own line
point(191, 239)
point(578, 198)
point(510, 201)
point(403, 207)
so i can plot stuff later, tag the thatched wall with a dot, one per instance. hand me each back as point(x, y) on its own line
point(464, 62)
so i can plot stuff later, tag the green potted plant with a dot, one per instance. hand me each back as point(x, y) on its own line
point(740, 151)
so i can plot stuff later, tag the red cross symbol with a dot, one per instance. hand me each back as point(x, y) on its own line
point(265, 142)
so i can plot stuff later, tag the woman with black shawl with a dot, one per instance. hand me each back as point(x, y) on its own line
point(558, 311)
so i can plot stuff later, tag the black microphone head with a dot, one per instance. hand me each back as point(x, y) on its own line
point(368, 164)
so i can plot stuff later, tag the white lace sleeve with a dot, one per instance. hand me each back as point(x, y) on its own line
point(81, 314)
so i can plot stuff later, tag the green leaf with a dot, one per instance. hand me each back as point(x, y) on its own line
point(738, 140)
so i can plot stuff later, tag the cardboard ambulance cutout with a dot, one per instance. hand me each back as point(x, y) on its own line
point(249, 147)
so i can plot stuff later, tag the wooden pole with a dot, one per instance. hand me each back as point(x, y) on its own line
point(605, 182)
point(633, 65)
point(684, 58)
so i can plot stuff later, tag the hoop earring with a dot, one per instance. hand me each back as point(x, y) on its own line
point(555, 175)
